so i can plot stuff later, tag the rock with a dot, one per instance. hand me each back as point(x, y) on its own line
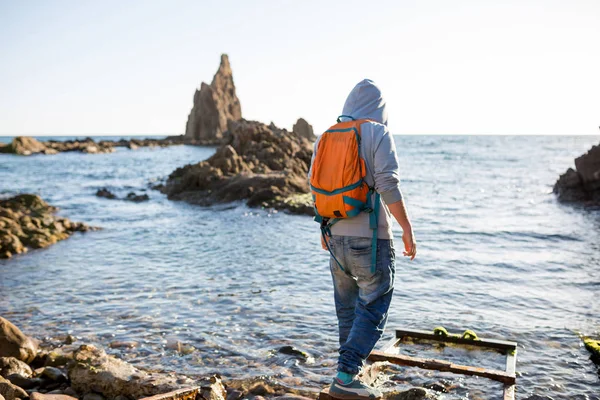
point(23, 382)
point(92, 370)
point(261, 164)
point(261, 389)
point(122, 345)
point(10, 391)
point(1, 397)
point(304, 129)
point(214, 105)
point(104, 192)
point(50, 396)
point(410, 394)
point(93, 396)
point(234, 394)
point(70, 392)
point(28, 146)
point(538, 397)
point(137, 198)
point(290, 396)
point(11, 365)
point(69, 339)
point(214, 390)
point(25, 146)
point(27, 221)
point(13, 343)
point(54, 374)
point(292, 351)
point(583, 184)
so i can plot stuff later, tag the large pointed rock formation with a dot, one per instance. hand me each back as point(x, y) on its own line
point(581, 184)
point(214, 106)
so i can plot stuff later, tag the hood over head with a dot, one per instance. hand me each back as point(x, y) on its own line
point(366, 102)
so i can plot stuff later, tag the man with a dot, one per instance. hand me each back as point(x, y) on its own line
point(362, 293)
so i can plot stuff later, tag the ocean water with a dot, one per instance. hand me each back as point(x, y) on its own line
point(497, 254)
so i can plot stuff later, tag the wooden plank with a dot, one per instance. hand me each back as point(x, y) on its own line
point(444, 366)
point(511, 366)
point(509, 392)
point(482, 342)
point(390, 345)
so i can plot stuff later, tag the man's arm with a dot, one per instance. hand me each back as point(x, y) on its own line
point(387, 183)
point(398, 210)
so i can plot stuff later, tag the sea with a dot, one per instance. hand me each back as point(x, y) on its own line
point(223, 289)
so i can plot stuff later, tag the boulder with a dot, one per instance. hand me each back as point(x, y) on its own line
point(10, 391)
point(304, 129)
point(11, 365)
point(25, 146)
point(27, 221)
point(92, 370)
point(214, 105)
point(581, 185)
point(13, 343)
point(262, 165)
point(137, 198)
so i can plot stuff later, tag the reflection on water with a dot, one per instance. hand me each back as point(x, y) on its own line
point(497, 255)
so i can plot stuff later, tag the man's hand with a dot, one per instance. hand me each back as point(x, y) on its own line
point(398, 210)
point(410, 244)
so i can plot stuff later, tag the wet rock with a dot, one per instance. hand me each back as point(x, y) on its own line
point(292, 351)
point(27, 221)
point(304, 129)
point(51, 396)
point(410, 394)
point(11, 365)
point(23, 382)
point(24, 146)
point(92, 370)
point(70, 392)
point(261, 164)
point(93, 396)
point(214, 390)
point(117, 344)
point(538, 397)
point(54, 374)
point(261, 389)
point(11, 391)
point(290, 396)
point(214, 105)
point(69, 339)
point(581, 185)
point(13, 343)
point(107, 194)
point(137, 198)
point(234, 394)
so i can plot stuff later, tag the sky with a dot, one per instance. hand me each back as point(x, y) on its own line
point(79, 67)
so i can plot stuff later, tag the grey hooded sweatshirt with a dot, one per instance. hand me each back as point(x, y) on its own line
point(379, 152)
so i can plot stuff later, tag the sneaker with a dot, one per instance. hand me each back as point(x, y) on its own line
point(355, 390)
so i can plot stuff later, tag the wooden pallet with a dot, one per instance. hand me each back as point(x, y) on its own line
point(507, 377)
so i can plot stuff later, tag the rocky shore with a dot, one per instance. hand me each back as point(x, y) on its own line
point(26, 146)
point(582, 184)
point(261, 164)
point(64, 369)
point(28, 222)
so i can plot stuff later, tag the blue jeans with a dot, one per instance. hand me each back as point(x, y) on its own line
point(362, 297)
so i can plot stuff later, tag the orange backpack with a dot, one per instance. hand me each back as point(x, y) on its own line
point(337, 181)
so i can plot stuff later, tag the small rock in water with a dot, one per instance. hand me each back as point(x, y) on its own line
point(70, 392)
point(235, 394)
point(104, 192)
point(292, 351)
point(70, 339)
point(261, 389)
point(137, 198)
point(118, 344)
